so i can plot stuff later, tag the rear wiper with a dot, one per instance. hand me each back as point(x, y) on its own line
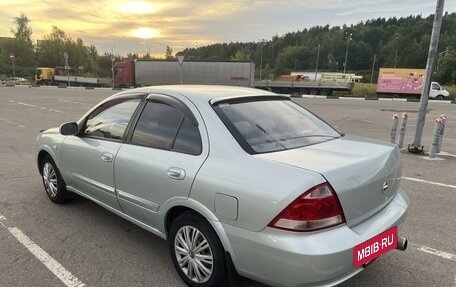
point(273, 139)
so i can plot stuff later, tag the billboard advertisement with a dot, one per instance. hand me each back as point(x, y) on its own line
point(401, 81)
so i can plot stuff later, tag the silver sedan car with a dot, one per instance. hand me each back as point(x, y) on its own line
point(237, 180)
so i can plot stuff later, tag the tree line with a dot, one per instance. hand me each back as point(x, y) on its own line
point(393, 42)
point(49, 52)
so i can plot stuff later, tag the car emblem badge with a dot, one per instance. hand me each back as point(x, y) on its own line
point(385, 186)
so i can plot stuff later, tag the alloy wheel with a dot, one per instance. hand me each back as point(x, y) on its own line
point(50, 179)
point(194, 254)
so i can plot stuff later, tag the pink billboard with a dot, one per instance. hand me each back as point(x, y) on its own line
point(401, 81)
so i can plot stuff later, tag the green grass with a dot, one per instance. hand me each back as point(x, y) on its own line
point(364, 90)
point(452, 90)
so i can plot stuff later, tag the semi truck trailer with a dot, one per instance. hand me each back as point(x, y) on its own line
point(161, 72)
point(135, 73)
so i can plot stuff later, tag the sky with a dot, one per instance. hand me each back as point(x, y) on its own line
point(122, 26)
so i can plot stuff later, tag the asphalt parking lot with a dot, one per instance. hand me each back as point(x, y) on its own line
point(87, 245)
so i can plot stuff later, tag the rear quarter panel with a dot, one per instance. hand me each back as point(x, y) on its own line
point(262, 188)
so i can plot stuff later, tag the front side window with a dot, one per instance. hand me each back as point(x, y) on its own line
point(110, 120)
point(162, 126)
point(262, 126)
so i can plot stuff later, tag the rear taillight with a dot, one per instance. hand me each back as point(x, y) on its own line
point(317, 208)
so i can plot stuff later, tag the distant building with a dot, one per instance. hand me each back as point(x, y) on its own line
point(39, 43)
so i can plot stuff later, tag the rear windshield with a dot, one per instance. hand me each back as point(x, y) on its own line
point(262, 126)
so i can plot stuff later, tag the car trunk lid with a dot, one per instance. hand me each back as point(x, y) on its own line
point(364, 173)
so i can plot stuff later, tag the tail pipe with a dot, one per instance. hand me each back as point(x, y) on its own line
point(402, 243)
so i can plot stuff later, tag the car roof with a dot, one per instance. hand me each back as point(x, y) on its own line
point(203, 93)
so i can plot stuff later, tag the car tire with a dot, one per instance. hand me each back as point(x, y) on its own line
point(53, 182)
point(192, 229)
point(439, 98)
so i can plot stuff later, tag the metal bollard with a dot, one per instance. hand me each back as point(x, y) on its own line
point(443, 118)
point(400, 141)
point(435, 139)
point(394, 129)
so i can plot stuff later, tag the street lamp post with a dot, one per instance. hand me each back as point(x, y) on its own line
point(196, 50)
point(12, 56)
point(261, 60)
point(316, 66)
point(112, 70)
point(438, 57)
point(67, 67)
point(416, 146)
point(395, 54)
point(373, 67)
point(346, 51)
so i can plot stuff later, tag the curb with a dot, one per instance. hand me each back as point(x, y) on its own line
point(75, 88)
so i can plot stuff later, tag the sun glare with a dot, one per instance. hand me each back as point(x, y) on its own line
point(145, 33)
point(136, 7)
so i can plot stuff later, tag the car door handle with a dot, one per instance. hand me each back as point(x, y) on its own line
point(176, 173)
point(106, 156)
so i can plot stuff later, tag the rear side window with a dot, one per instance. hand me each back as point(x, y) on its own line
point(188, 138)
point(161, 126)
point(262, 126)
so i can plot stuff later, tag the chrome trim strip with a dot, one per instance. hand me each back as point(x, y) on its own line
point(96, 184)
point(149, 205)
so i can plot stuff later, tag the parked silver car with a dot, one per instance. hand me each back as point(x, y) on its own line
point(237, 180)
point(15, 81)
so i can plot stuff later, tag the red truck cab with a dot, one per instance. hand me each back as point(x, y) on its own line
point(124, 74)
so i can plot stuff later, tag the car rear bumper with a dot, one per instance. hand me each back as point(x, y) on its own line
point(283, 258)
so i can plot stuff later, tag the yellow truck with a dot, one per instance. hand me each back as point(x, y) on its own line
point(58, 75)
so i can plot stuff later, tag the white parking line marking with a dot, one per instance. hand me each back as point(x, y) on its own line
point(392, 99)
point(38, 107)
point(446, 154)
point(29, 105)
point(352, 98)
point(71, 102)
point(55, 267)
point(436, 252)
point(429, 182)
point(431, 159)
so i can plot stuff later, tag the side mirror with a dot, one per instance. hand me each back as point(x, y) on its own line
point(69, 129)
